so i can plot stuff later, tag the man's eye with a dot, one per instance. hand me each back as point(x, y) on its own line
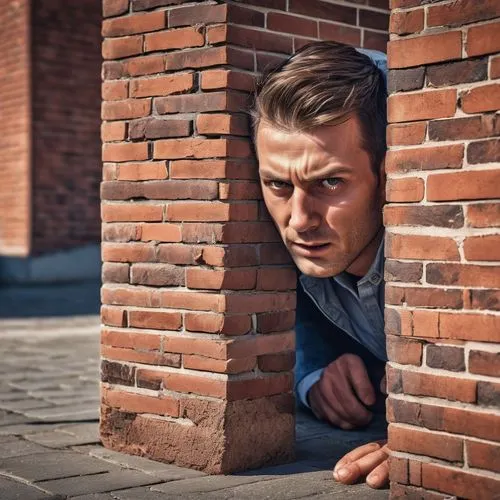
point(277, 184)
point(331, 183)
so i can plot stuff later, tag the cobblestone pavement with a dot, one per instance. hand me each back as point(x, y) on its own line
point(49, 443)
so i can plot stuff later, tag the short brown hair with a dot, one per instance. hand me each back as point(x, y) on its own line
point(326, 83)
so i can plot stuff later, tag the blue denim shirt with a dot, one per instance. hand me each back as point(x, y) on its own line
point(335, 315)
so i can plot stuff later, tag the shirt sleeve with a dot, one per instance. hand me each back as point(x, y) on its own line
point(305, 384)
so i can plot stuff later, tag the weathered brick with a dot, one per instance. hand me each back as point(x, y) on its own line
point(469, 70)
point(422, 106)
point(445, 357)
point(484, 363)
point(130, 25)
point(406, 79)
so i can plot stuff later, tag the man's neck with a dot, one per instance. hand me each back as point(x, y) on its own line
point(362, 264)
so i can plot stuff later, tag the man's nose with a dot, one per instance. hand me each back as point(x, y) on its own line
point(303, 216)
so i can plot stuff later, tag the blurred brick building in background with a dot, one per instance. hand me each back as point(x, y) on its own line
point(198, 297)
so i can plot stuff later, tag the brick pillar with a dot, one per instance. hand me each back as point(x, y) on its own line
point(15, 137)
point(443, 247)
point(198, 294)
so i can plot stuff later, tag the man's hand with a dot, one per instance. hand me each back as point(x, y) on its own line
point(370, 460)
point(343, 391)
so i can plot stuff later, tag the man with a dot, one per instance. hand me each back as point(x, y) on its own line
point(319, 125)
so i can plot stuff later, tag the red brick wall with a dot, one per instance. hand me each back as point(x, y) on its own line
point(15, 168)
point(66, 64)
point(443, 248)
point(198, 295)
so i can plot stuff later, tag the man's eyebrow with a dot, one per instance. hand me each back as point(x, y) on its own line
point(320, 174)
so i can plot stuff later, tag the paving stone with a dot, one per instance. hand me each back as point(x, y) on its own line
point(10, 489)
point(9, 418)
point(53, 465)
point(19, 447)
point(24, 404)
point(353, 492)
point(27, 428)
point(12, 395)
point(99, 496)
point(61, 438)
point(99, 483)
point(84, 410)
point(141, 494)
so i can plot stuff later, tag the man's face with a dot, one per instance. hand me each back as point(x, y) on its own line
point(323, 196)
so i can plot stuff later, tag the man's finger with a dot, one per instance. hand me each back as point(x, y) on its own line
point(379, 477)
point(350, 473)
point(358, 377)
point(357, 453)
point(329, 413)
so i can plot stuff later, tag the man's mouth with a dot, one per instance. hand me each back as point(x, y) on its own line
point(309, 249)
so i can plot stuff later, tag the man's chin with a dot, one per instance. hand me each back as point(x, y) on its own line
point(316, 269)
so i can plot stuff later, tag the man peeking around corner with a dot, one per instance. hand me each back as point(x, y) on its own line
point(319, 129)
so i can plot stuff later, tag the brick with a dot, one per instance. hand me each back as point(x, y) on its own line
point(113, 131)
point(161, 232)
point(415, 471)
point(222, 124)
point(231, 279)
point(216, 34)
point(484, 363)
point(131, 212)
point(114, 90)
point(423, 297)
point(402, 80)
point(405, 190)
point(464, 186)
point(495, 67)
point(232, 366)
point(424, 215)
point(428, 158)
point(123, 110)
point(144, 65)
point(130, 340)
point(213, 101)
point(445, 357)
point(151, 128)
point(241, 191)
point(174, 39)
point(375, 40)
point(159, 190)
point(195, 301)
point(462, 12)
point(483, 455)
point(274, 253)
point(231, 256)
point(139, 403)
point(455, 73)
point(411, 440)
point(198, 58)
point(213, 79)
point(111, 70)
point(212, 169)
point(408, 272)
point(398, 322)
point(259, 40)
point(200, 148)
point(116, 48)
point(276, 279)
point(130, 252)
point(483, 40)
point(463, 275)
point(138, 5)
point(399, 246)
point(267, 62)
point(480, 424)
point(373, 19)
point(284, 361)
point(458, 482)
point(339, 33)
point(217, 323)
point(488, 394)
point(121, 152)
point(406, 134)
point(141, 356)
point(483, 215)
point(452, 389)
point(422, 106)
point(121, 232)
point(211, 211)
point(480, 99)
point(404, 23)
point(156, 320)
point(285, 23)
point(114, 272)
point(126, 296)
point(425, 324)
point(426, 49)
point(260, 387)
point(142, 171)
point(404, 351)
point(398, 469)
point(114, 7)
point(113, 316)
point(179, 254)
point(116, 373)
point(156, 274)
point(482, 248)
point(473, 127)
point(260, 302)
point(199, 14)
point(477, 327)
point(483, 151)
point(241, 15)
point(485, 299)
point(321, 10)
point(161, 86)
point(137, 23)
